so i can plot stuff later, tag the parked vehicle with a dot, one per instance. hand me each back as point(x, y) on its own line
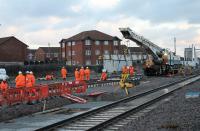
point(3, 74)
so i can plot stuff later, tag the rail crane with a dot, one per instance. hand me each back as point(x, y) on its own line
point(159, 61)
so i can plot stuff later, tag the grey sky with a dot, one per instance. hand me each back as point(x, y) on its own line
point(39, 22)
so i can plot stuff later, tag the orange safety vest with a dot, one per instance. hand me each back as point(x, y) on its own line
point(77, 75)
point(131, 70)
point(20, 81)
point(29, 80)
point(87, 74)
point(64, 73)
point(4, 86)
point(32, 79)
point(82, 72)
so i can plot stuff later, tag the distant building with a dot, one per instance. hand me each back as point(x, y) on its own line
point(190, 57)
point(88, 47)
point(31, 55)
point(12, 51)
point(48, 54)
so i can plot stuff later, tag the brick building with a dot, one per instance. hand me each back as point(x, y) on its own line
point(86, 48)
point(48, 54)
point(12, 51)
point(31, 54)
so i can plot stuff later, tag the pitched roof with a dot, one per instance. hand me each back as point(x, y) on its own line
point(92, 34)
point(51, 49)
point(4, 39)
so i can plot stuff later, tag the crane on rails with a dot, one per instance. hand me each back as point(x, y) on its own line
point(160, 61)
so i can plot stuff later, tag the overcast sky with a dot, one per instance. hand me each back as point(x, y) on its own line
point(39, 22)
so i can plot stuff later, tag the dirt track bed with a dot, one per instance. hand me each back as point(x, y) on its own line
point(110, 95)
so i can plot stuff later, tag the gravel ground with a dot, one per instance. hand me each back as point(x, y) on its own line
point(177, 114)
point(113, 93)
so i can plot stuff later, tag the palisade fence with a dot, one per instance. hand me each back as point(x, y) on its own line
point(43, 69)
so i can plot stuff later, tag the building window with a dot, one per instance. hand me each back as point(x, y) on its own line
point(63, 54)
point(48, 55)
point(87, 52)
point(55, 54)
point(69, 43)
point(73, 43)
point(88, 62)
point(115, 52)
point(97, 52)
point(106, 52)
point(87, 42)
point(97, 62)
point(69, 53)
point(97, 42)
point(105, 42)
point(73, 52)
point(115, 43)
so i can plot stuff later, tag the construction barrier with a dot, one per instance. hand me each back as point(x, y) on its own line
point(23, 95)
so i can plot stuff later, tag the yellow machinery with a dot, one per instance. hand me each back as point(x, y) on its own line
point(126, 82)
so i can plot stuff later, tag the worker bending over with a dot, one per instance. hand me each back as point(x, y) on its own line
point(103, 75)
point(63, 73)
point(20, 80)
point(87, 73)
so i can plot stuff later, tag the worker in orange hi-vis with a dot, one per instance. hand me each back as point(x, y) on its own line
point(28, 79)
point(124, 70)
point(82, 73)
point(77, 75)
point(32, 78)
point(103, 75)
point(4, 85)
point(63, 73)
point(87, 73)
point(131, 70)
point(20, 80)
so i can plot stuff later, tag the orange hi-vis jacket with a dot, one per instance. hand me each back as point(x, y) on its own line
point(32, 79)
point(64, 73)
point(20, 81)
point(87, 74)
point(131, 70)
point(82, 73)
point(4, 86)
point(103, 76)
point(28, 81)
point(77, 75)
point(124, 70)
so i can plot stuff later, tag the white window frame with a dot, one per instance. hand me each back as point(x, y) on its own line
point(115, 43)
point(69, 43)
point(69, 53)
point(97, 52)
point(73, 43)
point(48, 55)
point(116, 52)
point(106, 52)
point(97, 42)
point(87, 52)
point(63, 54)
point(63, 45)
point(88, 62)
point(87, 42)
point(106, 42)
point(55, 54)
point(97, 62)
point(73, 52)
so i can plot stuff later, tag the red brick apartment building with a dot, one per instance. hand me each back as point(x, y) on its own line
point(46, 54)
point(88, 47)
point(12, 51)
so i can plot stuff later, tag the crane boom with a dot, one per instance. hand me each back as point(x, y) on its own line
point(149, 46)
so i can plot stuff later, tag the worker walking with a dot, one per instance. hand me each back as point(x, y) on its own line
point(87, 73)
point(77, 75)
point(20, 80)
point(63, 73)
point(131, 71)
point(82, 73)
point(103, 75)
point(4, 85)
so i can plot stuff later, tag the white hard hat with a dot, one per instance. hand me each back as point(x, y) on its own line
point(31, 72)
point(4, 78)
point(19, 72)
point(27, 72)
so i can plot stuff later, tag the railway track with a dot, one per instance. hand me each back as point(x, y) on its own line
point(109, 117)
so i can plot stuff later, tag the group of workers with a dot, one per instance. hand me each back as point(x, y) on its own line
point(128, 70)
point(82, 74)
point(27, 80)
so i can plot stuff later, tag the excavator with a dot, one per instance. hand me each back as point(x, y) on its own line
point(159, 61)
